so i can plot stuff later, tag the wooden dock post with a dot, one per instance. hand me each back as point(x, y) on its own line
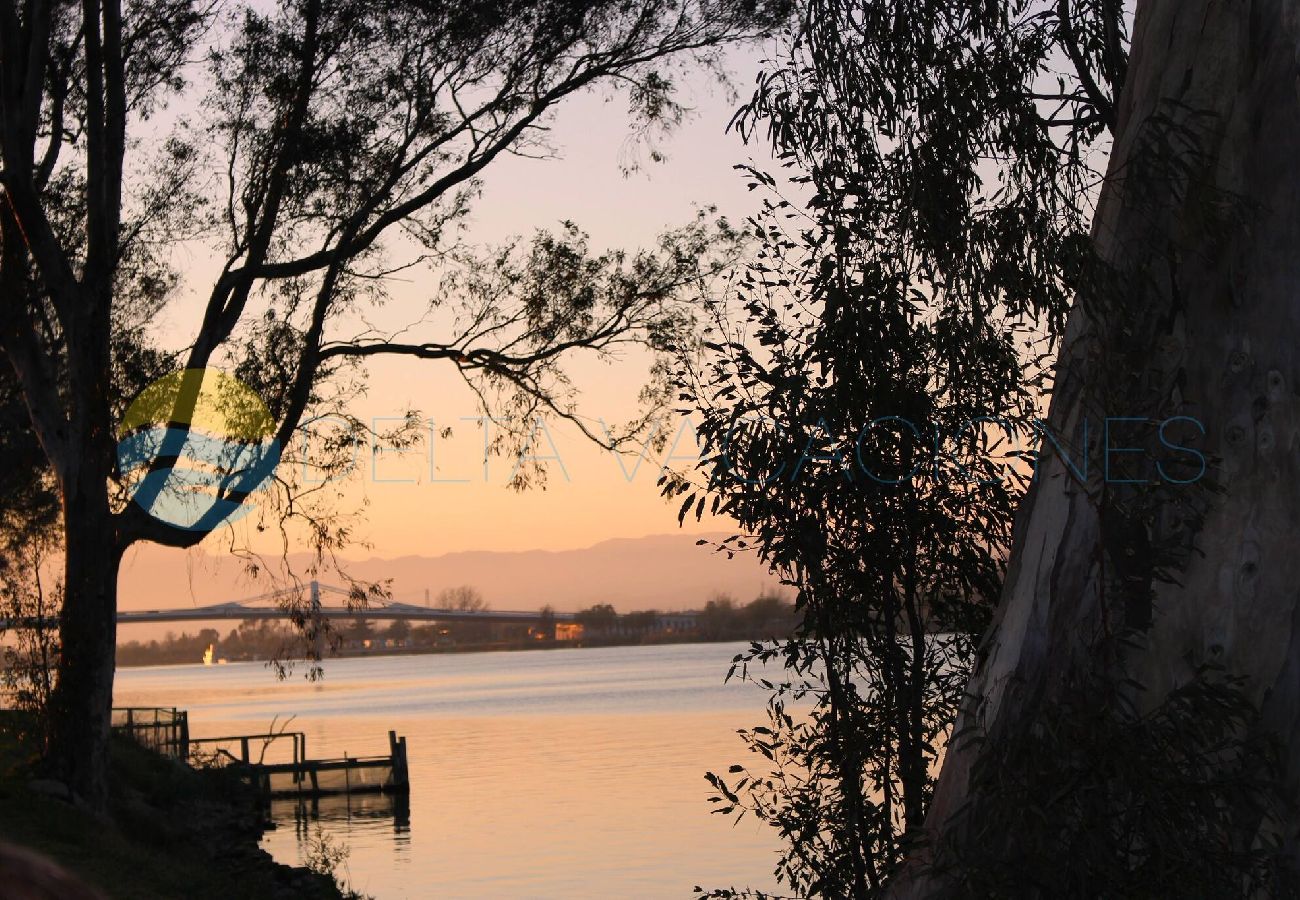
point(397, 751)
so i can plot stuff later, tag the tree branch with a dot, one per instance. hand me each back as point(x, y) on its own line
point(22, 345)
point(230, 294)
point(1103, 104)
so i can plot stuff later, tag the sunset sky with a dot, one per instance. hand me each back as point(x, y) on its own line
point(453, 502)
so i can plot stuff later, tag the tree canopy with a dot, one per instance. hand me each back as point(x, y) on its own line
point(869, 395)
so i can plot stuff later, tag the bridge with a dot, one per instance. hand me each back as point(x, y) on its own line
point(283, 604)
point(286, 603)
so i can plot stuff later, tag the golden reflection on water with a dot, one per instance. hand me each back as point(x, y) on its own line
point(574, 773)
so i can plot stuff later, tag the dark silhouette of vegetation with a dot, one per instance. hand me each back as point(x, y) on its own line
point(766, 616)
point(318, 130)
point(358, 630)
point(864, 413)
point(866, 396)
point(939, 221)
point(174, 831)
point(463, 599)
point(1147, 802)
point(399, 632)
point(30, 593)
point(259, 640)
point(599, 618)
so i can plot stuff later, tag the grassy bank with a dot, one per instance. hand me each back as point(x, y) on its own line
point(171, 833)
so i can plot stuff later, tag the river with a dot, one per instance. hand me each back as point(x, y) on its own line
point(564, 773)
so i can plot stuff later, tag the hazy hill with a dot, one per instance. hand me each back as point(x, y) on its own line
point(659, 571)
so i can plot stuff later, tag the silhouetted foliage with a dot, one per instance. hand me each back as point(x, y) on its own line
point(545, 628)
point(601, 618)
point(320, 136)
point(1101, 797)
point(463, 599)
point(865, 403)
point(30, 593)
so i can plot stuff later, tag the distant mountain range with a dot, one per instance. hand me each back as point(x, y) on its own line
point(666, 572)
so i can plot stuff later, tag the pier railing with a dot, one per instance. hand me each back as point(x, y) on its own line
point(345, 775)
point(166, 731)
point(250, 749)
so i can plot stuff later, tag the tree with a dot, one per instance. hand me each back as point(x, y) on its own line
point(425, 635)
point(601, 618)
point(718, 618)
point(546, 623)
point(29, 607)
point(398, 630)
point(463, 599)
point(29, 604)
point(766, 615)
point(262, 639)
point(862, 397)
point(1161, 603)
point(466, 599)
point(820, 444)
point(314, 133)
point(360, 630)
point(642, 621)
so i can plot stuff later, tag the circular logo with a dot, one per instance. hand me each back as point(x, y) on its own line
point(195, 446)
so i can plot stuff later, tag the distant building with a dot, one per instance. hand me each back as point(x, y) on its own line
point(677, 623)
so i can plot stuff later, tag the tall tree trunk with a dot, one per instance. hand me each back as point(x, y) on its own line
point(1208, 327)
point(83, 695)
point(83, 698)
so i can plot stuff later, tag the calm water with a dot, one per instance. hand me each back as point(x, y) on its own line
point(562, 773)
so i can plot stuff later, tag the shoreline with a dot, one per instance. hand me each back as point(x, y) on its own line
point(171, 831)
point(501, 647)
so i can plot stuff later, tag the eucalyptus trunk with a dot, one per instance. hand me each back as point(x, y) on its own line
point(81, 704)
point(1199, 224)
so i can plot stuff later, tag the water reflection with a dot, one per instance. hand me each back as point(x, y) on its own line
point(553, 774)
point(303, 814)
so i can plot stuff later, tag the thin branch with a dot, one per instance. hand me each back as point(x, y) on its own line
point(1105, 107)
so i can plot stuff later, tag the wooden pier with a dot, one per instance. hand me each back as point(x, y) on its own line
point(290, 772)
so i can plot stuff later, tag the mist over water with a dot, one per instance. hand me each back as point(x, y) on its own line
point(558, 773)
